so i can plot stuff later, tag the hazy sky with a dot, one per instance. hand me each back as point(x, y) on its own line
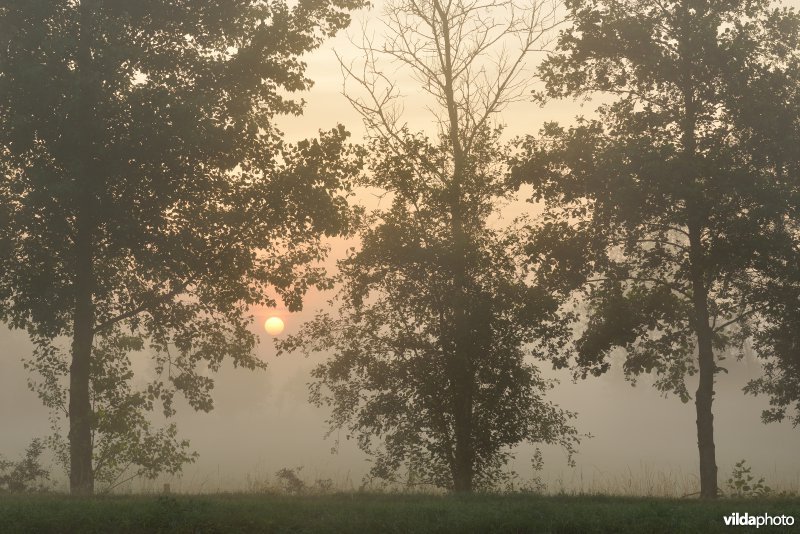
point(263, 422)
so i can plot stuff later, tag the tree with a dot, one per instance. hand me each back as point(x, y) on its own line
point(681, 209)
point(148, 200)
point(435, 323)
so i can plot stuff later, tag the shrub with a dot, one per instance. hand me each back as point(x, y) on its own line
point(290, 482)
point(743, 484)
point(26, 475)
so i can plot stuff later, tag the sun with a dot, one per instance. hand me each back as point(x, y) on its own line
point(274, 326)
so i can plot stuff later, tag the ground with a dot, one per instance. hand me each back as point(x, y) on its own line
point(364, 513)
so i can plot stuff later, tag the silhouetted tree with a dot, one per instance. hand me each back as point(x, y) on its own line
point(147, 199)
point(435, 323)
point(679, 207)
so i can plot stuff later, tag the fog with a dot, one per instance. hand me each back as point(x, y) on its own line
point(262, 420)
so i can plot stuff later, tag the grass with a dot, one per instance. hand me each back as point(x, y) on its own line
point(369, 512)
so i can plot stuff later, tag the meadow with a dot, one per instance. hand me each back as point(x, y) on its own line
point(376, 512)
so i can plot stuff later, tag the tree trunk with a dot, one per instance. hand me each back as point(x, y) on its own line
point(704, 397)
point(461, 374)
point(81, 474)
point(464, 457)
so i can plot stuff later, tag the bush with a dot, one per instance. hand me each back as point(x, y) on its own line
point(26, 475)
point(743, 484)
point(290, 482)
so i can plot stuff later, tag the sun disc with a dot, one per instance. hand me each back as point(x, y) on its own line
point(274, 326)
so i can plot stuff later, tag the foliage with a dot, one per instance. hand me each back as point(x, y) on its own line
point(128, 446)
point(776, 343)
point(147, 199)
point(26, 475)
point(289, 481)
point(777, 337)
point(743, 484)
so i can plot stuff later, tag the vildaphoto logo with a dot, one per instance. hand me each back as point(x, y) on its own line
point(764, 520)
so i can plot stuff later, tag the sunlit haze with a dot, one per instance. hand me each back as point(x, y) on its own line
point(262, 420)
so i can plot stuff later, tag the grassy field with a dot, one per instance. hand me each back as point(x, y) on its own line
point(379, 513)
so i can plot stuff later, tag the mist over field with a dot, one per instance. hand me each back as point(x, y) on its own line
point(263, 422)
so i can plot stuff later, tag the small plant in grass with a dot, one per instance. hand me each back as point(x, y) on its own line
point(534, 485)
point(744, 484)
point(26, 475)
point(289, 480)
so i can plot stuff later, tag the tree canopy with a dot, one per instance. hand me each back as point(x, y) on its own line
point(771, 113)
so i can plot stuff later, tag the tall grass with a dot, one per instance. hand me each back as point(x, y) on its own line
point(644, 480)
